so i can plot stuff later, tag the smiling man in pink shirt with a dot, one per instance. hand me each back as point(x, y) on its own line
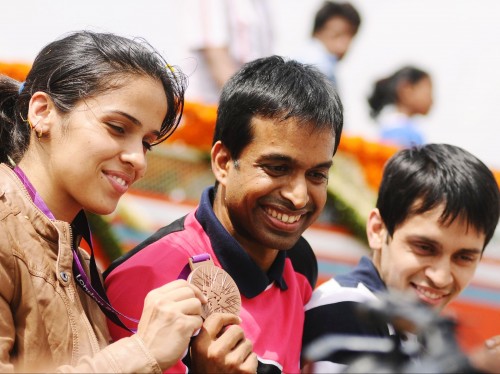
point(278, 127)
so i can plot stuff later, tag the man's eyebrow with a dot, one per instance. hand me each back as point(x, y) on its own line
point(326, 165)
point(472, 251)
point(438, 244)
point(284, 158)
point(275, 157)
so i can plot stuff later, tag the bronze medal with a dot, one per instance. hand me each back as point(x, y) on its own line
point(218, 287)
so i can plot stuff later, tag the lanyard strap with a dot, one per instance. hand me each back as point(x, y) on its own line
point(35, 197)
point(94, 287)
point(96, 291)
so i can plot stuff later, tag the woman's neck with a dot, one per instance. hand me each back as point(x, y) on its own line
point(45, 191)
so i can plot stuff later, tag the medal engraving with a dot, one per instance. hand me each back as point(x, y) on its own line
point(218, 287)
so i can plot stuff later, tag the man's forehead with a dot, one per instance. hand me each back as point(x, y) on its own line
point(281, 126)
point(430, 223)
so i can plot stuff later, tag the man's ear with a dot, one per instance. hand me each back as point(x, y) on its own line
point(41, 112)
point(375, 230)
point(221, 158)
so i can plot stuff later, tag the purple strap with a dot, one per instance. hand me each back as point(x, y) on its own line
point(96, 292)
point(187, 269)
point(93, 288)
point(37, 199)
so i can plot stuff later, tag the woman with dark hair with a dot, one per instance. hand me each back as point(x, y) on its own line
point(74, 137)
point(396, 100)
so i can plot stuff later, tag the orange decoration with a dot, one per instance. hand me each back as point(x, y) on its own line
point(372, 156)
point(15, 70)
point(198, 123)
point(496, 173)
point(197, 126)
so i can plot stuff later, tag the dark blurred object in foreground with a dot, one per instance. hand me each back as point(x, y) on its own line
point(435, 350)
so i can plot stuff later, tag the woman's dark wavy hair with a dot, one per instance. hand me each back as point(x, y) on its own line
point(418, 179)
point(81, 65)
point(279, 89)
point(385, 90)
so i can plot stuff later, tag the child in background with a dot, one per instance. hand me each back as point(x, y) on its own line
point(396, 100)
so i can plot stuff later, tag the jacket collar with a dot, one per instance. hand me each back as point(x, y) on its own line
point(56, 234)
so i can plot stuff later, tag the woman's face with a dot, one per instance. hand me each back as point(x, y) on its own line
point(96, 151)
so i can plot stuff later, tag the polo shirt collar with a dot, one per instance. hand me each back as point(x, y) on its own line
point(368, 274)
point(249, 277)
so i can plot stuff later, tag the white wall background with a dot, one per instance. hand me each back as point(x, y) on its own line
point(457, 41)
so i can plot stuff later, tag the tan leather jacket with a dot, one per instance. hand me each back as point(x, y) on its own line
point(47, 323)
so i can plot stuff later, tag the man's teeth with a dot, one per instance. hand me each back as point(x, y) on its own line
point(429, 294)
point(282, 217)
point(120, 181)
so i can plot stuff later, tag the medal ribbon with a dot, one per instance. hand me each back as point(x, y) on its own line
point(195, 259)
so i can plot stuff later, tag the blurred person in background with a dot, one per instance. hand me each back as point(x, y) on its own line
point(335, 26)
point(396, 100)
point(222, 35)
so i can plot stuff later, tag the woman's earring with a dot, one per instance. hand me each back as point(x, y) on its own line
point(39, 134)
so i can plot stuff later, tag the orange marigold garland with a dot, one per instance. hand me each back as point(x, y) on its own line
point(371, 156)
point(496, 173)
point(198, 123)
point(16, 70)
point(197, 126)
